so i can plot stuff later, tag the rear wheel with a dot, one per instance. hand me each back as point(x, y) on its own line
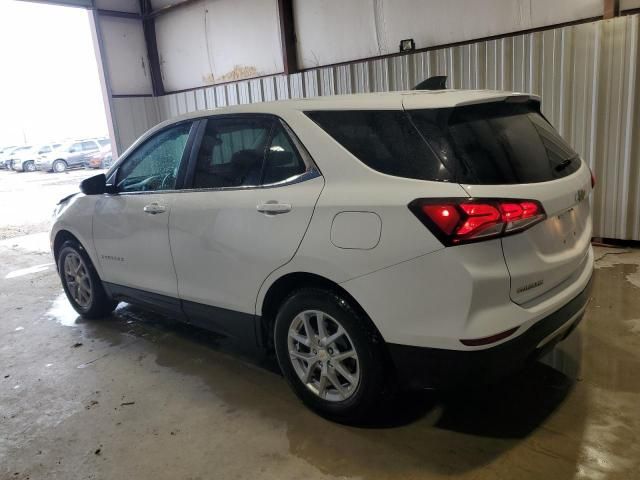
point(59, 166)
point(81, 283)
point(333, 359)
point(29, 166)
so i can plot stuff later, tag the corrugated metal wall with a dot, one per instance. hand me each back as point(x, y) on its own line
point(586, 74)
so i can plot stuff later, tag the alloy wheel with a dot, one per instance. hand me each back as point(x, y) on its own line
point(78, 280)
point(323, 355)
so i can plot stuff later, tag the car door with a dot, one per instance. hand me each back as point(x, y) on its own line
point(75, 155)
point(130, 227)
point(89, 147)
point(253, 191)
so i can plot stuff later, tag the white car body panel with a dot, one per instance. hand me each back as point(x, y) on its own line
point(223, 247)
point(75, 216)
point(551, 251)
point(454, 293)
point(131, 245)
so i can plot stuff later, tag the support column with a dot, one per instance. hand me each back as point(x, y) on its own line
point(149, 29)
point(288, 36)
point(611, 9)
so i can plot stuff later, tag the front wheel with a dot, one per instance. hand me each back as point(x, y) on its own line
point(332, 358)
point(59, 166)
point(81, 283)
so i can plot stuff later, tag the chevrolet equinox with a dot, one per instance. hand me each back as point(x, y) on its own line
point(373, 242)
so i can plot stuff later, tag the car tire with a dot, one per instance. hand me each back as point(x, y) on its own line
point(59, 166)
point(29, 166)
point(81, 282)
point(366, 382)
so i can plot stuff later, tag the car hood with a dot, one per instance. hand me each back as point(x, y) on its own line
point(25, 155)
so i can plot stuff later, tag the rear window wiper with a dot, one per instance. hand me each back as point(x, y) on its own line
point(564, 164)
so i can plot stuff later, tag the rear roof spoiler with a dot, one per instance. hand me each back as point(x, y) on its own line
point(439, 82)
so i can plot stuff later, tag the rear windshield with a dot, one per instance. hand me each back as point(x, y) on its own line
point(490, 143)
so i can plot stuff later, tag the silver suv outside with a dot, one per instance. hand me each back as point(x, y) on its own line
point(25, 160)
point(70, 155)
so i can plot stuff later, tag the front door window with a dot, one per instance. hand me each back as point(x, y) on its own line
point(154, 165)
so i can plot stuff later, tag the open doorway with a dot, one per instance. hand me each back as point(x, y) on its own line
point(52, 113)
point(49, 87)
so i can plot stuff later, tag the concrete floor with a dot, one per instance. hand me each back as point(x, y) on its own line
point(139, 397)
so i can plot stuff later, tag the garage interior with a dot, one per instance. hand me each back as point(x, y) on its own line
point(141, 396)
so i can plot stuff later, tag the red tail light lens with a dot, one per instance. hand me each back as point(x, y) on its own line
point(455, 221)
point(446, 217)
point(593, 179)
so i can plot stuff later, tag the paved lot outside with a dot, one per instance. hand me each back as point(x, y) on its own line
point(137, 396)
point(27, 199)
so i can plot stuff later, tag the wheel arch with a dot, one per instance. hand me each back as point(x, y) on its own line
point(61, 237)
point(64, 235)
point(281, 288)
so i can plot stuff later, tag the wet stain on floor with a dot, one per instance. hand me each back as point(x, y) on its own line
point(179, 402)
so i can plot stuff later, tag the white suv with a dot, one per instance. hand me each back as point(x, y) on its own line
point(409, 239)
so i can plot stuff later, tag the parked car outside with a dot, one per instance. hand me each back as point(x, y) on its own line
point(25, 160)
point(4, 152)
point(373, 242)
point(8, 159)
point(70, 155)
point(102, 159)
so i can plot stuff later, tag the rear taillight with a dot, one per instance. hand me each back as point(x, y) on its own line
point(593, 179)
point(455, 221)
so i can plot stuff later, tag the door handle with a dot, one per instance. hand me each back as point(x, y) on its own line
point(154, 209)
point(273, 208)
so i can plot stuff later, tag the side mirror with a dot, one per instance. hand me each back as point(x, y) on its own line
point(96, 185)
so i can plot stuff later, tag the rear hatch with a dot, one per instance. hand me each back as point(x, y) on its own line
point(506, 149)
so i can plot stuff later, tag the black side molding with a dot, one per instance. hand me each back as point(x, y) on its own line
point(239, 326)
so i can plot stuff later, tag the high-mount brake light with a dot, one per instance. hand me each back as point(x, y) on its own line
point(455, 221)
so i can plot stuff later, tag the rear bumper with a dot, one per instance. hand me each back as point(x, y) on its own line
point(435, 368)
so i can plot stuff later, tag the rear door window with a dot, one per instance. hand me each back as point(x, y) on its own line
point(282, 160)
point(384, 140)
point(231, 152)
